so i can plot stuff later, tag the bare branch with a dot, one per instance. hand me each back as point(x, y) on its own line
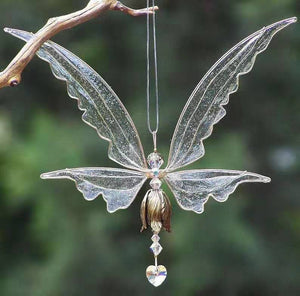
point(11, 76)
point(134, 12)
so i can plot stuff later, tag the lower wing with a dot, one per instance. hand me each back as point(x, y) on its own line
point(118, 187)
point(193, 188)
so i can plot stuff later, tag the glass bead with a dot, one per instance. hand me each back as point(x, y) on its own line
point(155, 183)
point(156, 248)
point(155, 238)
point(155, 161)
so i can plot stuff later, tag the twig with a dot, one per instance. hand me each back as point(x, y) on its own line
point(11, 76)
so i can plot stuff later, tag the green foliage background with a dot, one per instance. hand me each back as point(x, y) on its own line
point(54, 243)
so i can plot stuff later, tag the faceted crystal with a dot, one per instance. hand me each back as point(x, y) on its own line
point(155, 238)
point(156, 248)
point(155, 183)
point(154, 160)
point(156, 274)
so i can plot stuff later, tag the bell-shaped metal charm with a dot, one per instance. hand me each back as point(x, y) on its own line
point(156, 211)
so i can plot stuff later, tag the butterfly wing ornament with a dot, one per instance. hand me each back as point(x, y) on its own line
point(193, 188)
point(205, 106)
point(202, 111)
point(104, 112)
point(117, 186)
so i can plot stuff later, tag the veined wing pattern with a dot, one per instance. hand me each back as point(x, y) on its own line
point(105, 112)
point(205, 106)
point(192, 188)
point(118, 187)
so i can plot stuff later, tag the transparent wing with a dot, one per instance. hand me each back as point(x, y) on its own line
point(118, 187)
point(102, 108)
point(205, 106)
point(193, 188)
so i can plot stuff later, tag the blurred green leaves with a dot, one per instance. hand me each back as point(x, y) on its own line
point(54, 243)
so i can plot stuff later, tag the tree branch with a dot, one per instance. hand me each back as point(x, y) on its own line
point(11, 76)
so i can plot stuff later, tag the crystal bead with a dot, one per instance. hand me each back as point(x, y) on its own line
point(154, 160)
point(155, 238)
point(156, 248)
point(155, 183)
point(156, 274)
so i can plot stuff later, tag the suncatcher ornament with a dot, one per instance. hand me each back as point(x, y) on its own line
point(105, 112)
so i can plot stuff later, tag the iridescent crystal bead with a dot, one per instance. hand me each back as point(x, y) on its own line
point(156, 274)
point(155, 238)
point(155, 183)
point(156, 248)
point(154, 160)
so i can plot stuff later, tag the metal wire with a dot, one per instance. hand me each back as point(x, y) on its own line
point(152, 131)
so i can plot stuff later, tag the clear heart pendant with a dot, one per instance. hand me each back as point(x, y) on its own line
point(156, 275)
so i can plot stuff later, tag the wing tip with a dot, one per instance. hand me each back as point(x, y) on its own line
point(283, 23)
point(291, 20)
point(51, 175)
point(259, 178)
point(21, 34)
point(44, 176)
point(266, 179)
point(55, 174)
point(7, 30)
point(280, 25)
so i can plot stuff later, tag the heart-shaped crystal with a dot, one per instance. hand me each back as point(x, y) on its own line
point(156, 274)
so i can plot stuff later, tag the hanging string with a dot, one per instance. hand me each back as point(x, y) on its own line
point(152, 131)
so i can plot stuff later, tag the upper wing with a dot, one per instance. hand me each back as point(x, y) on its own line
point(118, 187)
point(193, 188)
point(205, 106)
point(103, 110)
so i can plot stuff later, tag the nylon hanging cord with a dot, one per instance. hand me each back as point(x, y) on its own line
point(153, 132)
